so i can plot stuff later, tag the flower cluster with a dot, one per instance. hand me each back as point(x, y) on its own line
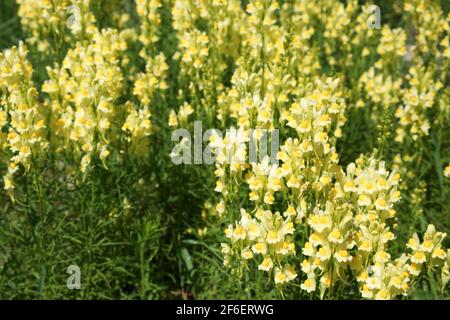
point(82, 93)
point(51, 24)
point(416, 99)
point(345, 217)
point(327, 251)
point(21, 114)
point(357, 119)
point(267, 238)
point(150, 22)
point(385, 279)
point(427, 254)
point(40, 18)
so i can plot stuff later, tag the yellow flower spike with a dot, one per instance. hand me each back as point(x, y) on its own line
point(26, 135)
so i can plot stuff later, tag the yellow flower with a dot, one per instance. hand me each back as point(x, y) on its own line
point(260, 248)
point(308, 249)
point(418, 257)
point(335, 236)
point(239, 233)
point(320, 223)
point(324, 253)
point(415, 269)
point(383, 294)
point(247, 254)
point(438, 253)
point(280, 277)
point(342, 256)
point(273, 237)
point(266, 265)
point(289, 272)
point(373, 283)
point(447, 171)
point(309, 285)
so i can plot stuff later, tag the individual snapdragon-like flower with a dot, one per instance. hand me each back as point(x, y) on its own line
point(447, 171)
